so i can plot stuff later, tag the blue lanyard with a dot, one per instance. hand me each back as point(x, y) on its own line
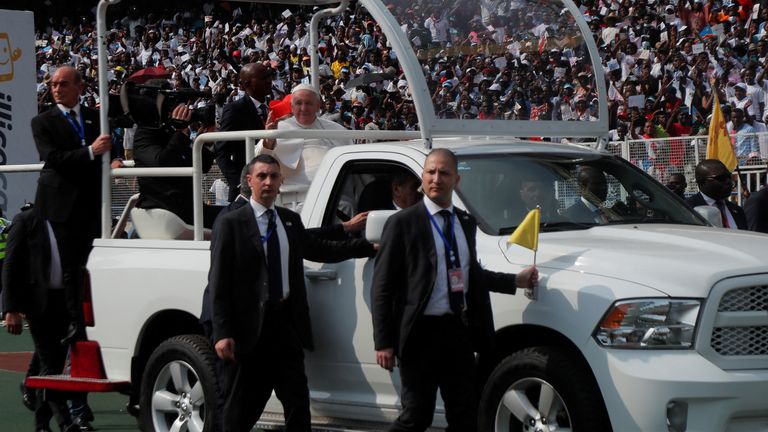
point(448, 247)
point(265, 238)
point(78, 128)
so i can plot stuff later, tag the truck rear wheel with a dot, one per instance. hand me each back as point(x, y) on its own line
point(178, 389)
point(541, 389)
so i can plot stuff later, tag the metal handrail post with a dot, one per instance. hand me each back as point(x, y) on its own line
point(197, 187)
point(106, 158)
point(250, 149)
point(314, 23)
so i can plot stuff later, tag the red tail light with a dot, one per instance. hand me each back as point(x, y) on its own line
point(87, 301)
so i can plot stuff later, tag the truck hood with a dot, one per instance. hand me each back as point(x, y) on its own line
point(678, 260)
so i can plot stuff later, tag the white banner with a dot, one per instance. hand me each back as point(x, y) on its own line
point(18, 104)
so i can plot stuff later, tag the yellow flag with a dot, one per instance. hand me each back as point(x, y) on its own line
point(719, 144)
point(527, 233)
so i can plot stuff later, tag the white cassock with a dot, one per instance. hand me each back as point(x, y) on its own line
point(300, 158)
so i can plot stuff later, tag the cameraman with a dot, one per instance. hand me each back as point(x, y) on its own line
point(171, 146)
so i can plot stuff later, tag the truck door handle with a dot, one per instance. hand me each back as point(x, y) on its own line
point(324, 274)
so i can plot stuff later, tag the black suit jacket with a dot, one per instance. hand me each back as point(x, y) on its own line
point(69, 187)
point(736, 211)
point(579, 212)
point(238, 277)
point(205, 312)
point(166, 148)
point(756, 209)
point(238, 115)
point(404, 276)
point(26, 270)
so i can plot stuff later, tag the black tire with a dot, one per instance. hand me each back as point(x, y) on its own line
point(522, 377)
point(179, 385)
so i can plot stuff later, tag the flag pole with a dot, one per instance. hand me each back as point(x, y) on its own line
point(535, 251)
point(531, 293)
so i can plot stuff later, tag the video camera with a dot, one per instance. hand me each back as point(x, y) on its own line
point(150, 105)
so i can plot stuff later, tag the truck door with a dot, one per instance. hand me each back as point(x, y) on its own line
point(342, 370)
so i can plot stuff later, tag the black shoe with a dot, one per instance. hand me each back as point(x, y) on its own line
point(27, 397)
point(82, 423)
point(87, 414)
point(70, 428)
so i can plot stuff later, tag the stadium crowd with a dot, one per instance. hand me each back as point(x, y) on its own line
point(482, 60)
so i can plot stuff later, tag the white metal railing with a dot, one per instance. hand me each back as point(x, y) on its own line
point(250, 137)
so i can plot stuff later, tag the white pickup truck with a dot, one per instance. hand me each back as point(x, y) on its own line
point(651, 321)
point(647, 318)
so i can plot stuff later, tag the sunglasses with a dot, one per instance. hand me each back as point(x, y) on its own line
point(720, 177)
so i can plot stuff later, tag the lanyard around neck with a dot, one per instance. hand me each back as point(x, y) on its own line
point(448, 244)
point(77, 127)
point(270, 231)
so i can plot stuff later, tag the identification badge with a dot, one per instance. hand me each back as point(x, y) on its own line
point(456, 279)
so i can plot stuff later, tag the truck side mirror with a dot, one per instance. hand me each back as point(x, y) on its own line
point(374, 225)
point(711, 214)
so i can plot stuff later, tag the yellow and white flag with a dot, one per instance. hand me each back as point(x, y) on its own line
point(527, 233)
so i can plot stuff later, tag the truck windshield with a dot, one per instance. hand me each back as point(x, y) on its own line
point(573, 192)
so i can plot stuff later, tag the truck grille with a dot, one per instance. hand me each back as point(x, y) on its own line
point(740, 341)
point(732, 340)
point(745, 299)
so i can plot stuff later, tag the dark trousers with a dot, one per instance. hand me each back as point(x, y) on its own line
point(277, 363)
point(75, 242)
point(48, 329)
point(438, 355)
point(221, 374)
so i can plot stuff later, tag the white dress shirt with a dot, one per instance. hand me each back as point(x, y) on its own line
point(263, 221)
point(439, 304)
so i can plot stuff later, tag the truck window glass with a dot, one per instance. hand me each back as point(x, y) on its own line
point(572, 192)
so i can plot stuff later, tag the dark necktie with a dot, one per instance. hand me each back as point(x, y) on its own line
point(723, 216)
point(452, 261)
point(275, 272)
point(75, 123)
point(262, 110)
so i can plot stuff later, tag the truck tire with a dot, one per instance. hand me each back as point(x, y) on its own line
point(541, 389)
point(178, 388)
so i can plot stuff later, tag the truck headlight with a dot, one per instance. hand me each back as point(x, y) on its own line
point(649, 323)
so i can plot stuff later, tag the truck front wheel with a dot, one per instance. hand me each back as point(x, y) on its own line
point(178, 389)
point(541, 389)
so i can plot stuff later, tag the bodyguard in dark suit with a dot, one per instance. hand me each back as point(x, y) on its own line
point(715, 185)
point(430, 301)
point(246, 113)
point(756, 208)
point(69, 187)
point(260, 311)
point(34, 286)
